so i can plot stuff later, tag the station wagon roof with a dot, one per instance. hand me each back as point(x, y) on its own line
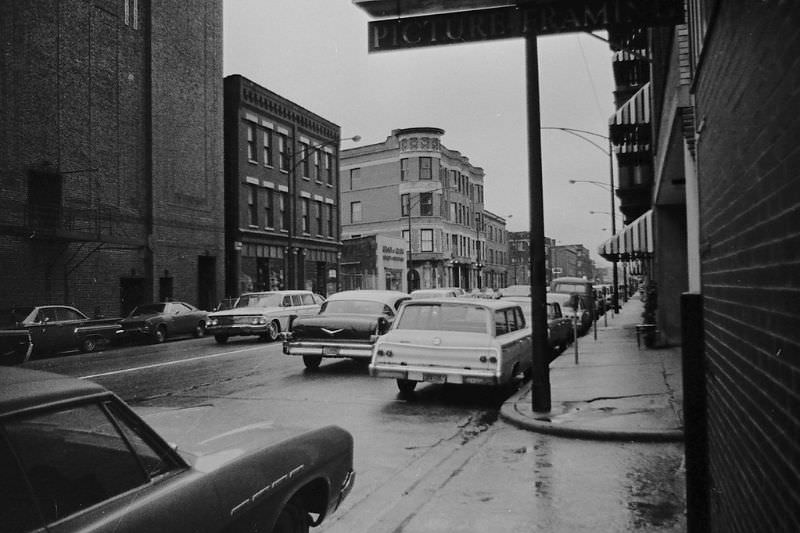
point(474, 302)
point(388, 297)
point(291, 291)
point(22, 389)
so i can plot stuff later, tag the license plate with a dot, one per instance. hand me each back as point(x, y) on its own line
point(330, 350)
point(434, 378)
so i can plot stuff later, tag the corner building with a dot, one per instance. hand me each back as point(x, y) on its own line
point(110, 153)
point(413, 187)
point(281, 193)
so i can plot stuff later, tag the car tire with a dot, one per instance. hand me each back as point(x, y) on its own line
point(88, 345)
point(273, 331)
point(406, 386)
point(221, 339)
point(293, 519)
point(199, 330)
point(160, 334)
point(312, 362)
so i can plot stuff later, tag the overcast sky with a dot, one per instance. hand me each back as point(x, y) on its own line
point(314, 52)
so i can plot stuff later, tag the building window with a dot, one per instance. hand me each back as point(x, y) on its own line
point(426, 204)
point(284, 212)
point(306, 159)
point(317, 174)
point(406, 238)
point(355, 174)
point(269, 216)
point(426, 236)
point(329, 168)
point(267, 150)
point(251, 143)
point(319, 218)
point(355, 211)
point(252, 205)
point(304, 213)
point(283, 152)
point(404, 169)
point(404, 205)
point(132, 13)
point(425, 166)
point(454, 247)
point(330, 220)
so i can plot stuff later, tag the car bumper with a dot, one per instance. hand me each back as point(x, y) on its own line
point(237, 330)
point(347, 486)
point(435, 375)
point(328, 349)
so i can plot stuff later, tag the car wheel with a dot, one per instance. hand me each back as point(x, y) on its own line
point(406, 386)
point(273, 330)
point(312, 362)
point(200, 329)
point(160, 334)
point(88, 345)
point(293, 519)
point(221, 339)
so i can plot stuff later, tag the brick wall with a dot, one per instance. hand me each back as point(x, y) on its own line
point(749, 170)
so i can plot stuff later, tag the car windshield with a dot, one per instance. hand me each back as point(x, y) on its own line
point(148, 309)
point(364, 307)
point(260, 300)
point(445, 317)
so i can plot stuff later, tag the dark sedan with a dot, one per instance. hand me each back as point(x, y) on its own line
point(74, 457)
point(157, 321)
point(347, 325)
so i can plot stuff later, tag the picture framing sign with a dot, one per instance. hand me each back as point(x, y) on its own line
point(540, 18)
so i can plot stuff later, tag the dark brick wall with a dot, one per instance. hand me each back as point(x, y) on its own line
point(748, 155)
point(75, 93)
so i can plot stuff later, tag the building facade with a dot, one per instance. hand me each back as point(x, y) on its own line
point(374, 262)
point(520, 258)
point(111, 153)
point(718, 244)
point(495, 269)
point(411, 186)
point(281, 193)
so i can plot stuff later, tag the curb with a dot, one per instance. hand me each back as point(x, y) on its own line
point(511, 414)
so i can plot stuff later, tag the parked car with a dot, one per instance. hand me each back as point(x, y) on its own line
point(515, 290)
point(573, 308)
point(447, 340)
point(265, 314)
point(157, 321)
point(436, 293)
point(59, 328)
point(15, 346)
point(559, 327)
point(74, 457)
point(347, 326)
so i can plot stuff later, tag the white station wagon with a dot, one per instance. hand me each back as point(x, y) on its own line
point(265, 314)
point(447, 340)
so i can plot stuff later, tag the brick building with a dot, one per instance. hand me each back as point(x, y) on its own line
point(495, 268)
point(281, 193)
point(719, 246)
point(110, 153)
point(413, 187)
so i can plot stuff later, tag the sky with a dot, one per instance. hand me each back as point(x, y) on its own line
point(314, 52)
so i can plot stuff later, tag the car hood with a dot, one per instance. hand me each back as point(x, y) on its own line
point(239, 311)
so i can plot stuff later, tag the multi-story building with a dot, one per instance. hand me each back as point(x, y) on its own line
point(281, 193)
point(412, 186)
point(718, 245)
point(495, 265)
point(111, 153)
point(520, 258)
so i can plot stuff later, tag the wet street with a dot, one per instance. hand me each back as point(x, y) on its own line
point(440, 462)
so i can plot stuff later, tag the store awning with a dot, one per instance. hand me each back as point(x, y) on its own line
point(635, 241)
point(629, 126)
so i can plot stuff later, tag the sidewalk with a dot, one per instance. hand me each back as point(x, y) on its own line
point(616, 391)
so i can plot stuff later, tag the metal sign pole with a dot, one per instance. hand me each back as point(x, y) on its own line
point(540, 393)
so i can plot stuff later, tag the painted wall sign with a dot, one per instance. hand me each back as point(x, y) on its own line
point(542, 18)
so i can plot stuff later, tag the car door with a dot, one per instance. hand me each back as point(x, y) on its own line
point(90, 470)
point(51, 331)
point(182, 318)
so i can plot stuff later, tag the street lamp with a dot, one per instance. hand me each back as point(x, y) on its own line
point(582, 134)
point(593, 182)
point(292, 252)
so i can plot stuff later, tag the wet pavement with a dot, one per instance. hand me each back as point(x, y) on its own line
point(616, 391)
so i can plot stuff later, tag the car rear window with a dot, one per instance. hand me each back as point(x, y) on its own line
point(364, 307)
point(444, 317)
